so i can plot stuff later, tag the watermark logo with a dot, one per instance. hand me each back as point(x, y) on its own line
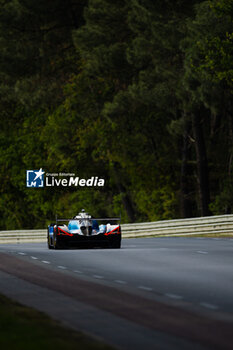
point(35, 178)
point(38, 178)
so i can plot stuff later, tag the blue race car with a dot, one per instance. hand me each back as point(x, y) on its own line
point(84, 231)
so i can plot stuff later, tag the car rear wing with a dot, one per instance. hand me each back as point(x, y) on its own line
point(98, 219)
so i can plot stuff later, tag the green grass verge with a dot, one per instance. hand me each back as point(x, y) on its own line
point(27, 329)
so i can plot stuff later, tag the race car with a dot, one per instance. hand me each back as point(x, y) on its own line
point(84, 231)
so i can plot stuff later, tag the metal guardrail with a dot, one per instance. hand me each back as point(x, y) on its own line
point(222, 224)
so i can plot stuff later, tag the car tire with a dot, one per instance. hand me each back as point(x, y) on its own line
point(55, 243)
point(116, 243)
point(49, 241)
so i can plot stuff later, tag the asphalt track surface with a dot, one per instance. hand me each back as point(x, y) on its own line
point(157, 293)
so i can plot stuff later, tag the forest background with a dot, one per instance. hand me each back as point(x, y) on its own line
point(138, 92)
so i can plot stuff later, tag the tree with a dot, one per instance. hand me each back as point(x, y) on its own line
point(205, 80)
point(37, 56)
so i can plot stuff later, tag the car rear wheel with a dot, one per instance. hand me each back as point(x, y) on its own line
point(115, 243)
point(56, 244)
point(49, 241)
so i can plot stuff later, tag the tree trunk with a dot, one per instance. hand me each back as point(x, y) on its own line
point(125, 197)
point(202, 165)
point(185, 201)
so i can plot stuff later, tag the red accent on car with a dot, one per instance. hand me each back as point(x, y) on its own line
point(64, 232)
point(115, 230)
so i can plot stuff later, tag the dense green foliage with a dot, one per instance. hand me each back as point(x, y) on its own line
point(138, 92)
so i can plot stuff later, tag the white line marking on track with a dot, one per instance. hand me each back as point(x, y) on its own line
point(209, 306)
point(98, 276)
point(202, 252)
point(148, 289)
point(20, 253)
point(120, 281)
point(45, 261)
point(34, 257)
point(173, 296)
point(78, 271)
point(62, 267)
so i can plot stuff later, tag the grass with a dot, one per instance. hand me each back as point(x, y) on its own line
point(23, 328)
